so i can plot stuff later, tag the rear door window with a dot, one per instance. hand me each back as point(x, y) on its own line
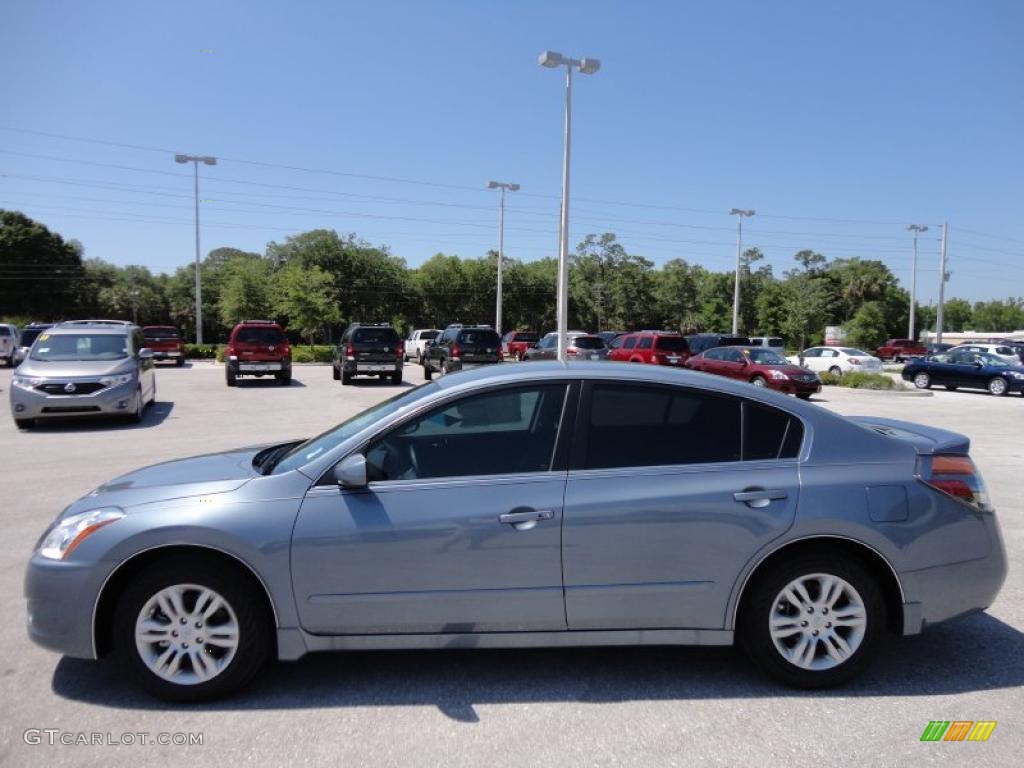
point(638, 425)
point(646, 342)
point(630, 342)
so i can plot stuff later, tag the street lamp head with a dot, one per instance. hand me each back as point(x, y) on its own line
point(181, 158)
point(741, 212)
point(551, 59)
point(589, 66)
point(917, 228)
point(493, 185)
point(209, 160)
point(513, 187)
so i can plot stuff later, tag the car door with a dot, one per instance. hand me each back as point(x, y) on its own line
point(665, 503)
point(458, 529)
point(812, 359)
point(733, 364)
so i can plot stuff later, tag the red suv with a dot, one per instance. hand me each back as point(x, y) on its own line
point(166, 343)
point(258, 348)
point(760, 366)
point(515, 343)
point(655, 347)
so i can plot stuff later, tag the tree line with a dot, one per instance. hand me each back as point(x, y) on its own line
point(318, 281)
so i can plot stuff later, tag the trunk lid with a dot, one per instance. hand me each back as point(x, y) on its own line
point(926, 440)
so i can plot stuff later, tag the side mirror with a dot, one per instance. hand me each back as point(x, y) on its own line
point(351, 472)
point(145, 353)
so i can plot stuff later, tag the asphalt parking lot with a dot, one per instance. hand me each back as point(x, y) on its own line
point(644, 706)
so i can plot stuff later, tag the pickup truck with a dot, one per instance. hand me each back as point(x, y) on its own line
point(900, 350)
point(166, 343)
point(417, 342)
point(515, 343)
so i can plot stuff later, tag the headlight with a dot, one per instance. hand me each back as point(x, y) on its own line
point(1017, 375)
point(66, 535)
point(779, 376)
point(116, 380)
point(27, 382)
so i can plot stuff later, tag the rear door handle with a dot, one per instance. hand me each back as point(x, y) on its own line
point(524, 521)
point(759, 498)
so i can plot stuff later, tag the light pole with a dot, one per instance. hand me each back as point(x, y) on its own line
point(502, 185)
point(916, 229)
point(586, 66)
point(740, 212)
point(196, 160)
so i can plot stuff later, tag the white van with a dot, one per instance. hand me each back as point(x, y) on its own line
point(773, 343)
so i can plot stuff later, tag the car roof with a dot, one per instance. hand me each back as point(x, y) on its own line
point(78, 326)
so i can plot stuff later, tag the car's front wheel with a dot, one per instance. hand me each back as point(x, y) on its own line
point(922, 380)
point(997, 386)
point(189, 631)
point(759, 381)
point(813, 622)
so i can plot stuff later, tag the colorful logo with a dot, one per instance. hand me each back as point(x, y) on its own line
point(958, 730)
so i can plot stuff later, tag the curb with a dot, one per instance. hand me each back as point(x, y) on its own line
point(896, 392)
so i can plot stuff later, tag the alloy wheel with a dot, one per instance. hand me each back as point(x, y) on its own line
point(997, 386)
point(818, 621)
point(922, 381)
point(186, 634)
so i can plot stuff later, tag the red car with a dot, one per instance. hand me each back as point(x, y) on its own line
point(515, 343)
point(761, 367)
point(900, 350)
point(166, 343)
point(258, 348)
point(655, 347)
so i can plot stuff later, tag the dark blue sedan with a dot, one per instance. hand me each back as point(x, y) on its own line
point(964, 368)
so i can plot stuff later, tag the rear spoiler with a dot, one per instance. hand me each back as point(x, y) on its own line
point(926, 440)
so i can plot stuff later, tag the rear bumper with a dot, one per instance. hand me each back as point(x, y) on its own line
point(260, 367)
point(372, 367)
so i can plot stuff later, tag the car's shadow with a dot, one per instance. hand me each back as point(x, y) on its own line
point(374, 383)
point(251, 382)
point(976, 653)
point(154, 415)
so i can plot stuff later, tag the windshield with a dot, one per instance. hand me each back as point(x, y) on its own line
point(766, 356)
point(29, 335)
point(305, 452)
point(672, 343)
point(252, 335)
point(161, 333)
point(80, 346)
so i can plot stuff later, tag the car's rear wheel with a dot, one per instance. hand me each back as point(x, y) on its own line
point(428, 372)
point(189, 631)
point(922, 380)
point(180, 362)
point(518, 355)
point(396, 378)
point(997, 386)
point(835, 370)
point(813, 622)
point(284, 379)
point(231, 378)
point(759, 381)
point(346, 378)
point(334, 373)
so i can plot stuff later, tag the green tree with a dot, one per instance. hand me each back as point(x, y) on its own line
point(868, 327)
point(999, 316)
point(246, 288)
point(41, 276)
point(306, 299)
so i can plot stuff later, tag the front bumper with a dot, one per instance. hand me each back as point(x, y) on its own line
point(61, 596)
point(110, 401)
point(791, 387)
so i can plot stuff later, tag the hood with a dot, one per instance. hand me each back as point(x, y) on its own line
point(182, 478)
point(69, 369)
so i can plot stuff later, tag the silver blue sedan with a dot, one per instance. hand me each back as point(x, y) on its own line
point(547, 505)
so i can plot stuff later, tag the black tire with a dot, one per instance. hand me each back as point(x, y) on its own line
point(255, 626)
point(998, 386)
point(284, 379)
point(952, 387)
point(804, 395)
point(396, 378)
point(180, 362)
point(835, 370)
point(428, 372)
point(24, 423)
point(759, 381)
point(760, 601)
point(334, 373)
point(232, 379)
point(922, 380)
point(346, 378)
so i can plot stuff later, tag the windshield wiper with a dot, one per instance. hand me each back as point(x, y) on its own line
point(267, 459)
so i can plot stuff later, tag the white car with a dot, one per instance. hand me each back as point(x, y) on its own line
point(1002, 351)
point(837, 360)
point(417, 342)
point(8, 343)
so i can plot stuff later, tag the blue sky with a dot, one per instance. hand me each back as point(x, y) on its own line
point(840, 123)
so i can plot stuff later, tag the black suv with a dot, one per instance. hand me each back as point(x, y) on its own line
point(369, 350)
point(461, 346)
point(701, 341)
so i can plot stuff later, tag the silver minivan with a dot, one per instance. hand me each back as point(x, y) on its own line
point(84, 368)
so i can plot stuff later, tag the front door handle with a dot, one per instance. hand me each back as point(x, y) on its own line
point(524, 521)
point(759, 498)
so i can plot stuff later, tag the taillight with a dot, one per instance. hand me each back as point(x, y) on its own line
point(571, 351)
point(956, 476)
point(401, 349)
point(854, 361)
point(350, 352)
point(456, 352)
